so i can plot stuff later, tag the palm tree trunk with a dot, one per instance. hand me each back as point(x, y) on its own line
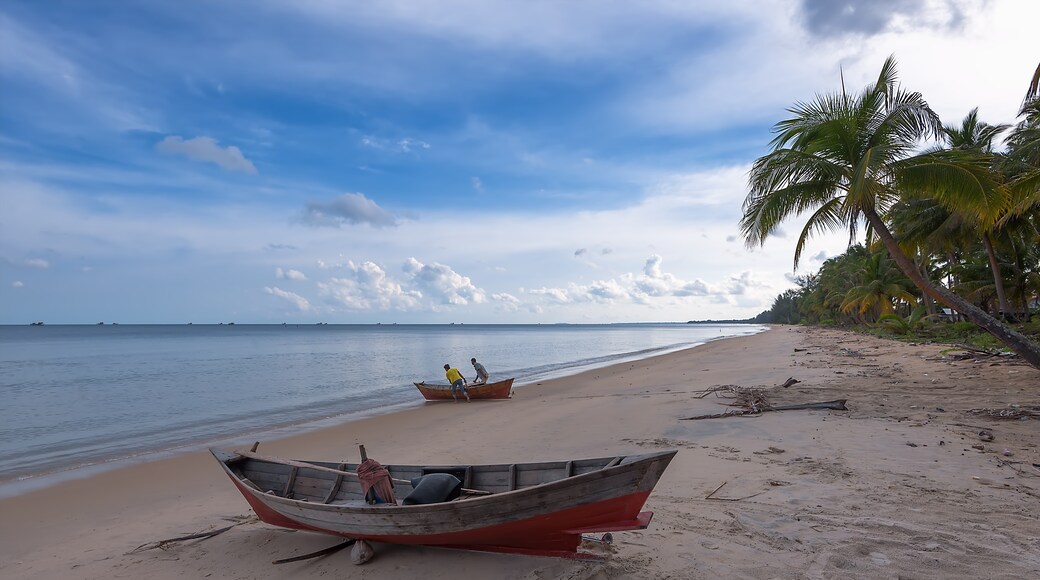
point(1018, 342)
point(998, 279)
point(929, 304)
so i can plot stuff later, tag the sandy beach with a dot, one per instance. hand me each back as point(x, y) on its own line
point(899, 486)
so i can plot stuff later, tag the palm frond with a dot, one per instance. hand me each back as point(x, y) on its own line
point(961, 181)
point(831, 216)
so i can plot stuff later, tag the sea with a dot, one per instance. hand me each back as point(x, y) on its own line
point(77, 399)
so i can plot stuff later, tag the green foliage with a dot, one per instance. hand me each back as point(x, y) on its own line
point(896, 324)
point(961, 220)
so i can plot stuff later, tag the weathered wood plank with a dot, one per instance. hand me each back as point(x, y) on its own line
point(288, 491)
point(334, 489)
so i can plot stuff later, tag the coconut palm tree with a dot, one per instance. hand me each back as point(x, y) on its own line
point(1021, 161)
point(877, 285)
point(975, 137)
point(847, 158)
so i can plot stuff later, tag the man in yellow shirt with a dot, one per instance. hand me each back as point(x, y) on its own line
point(456, 381)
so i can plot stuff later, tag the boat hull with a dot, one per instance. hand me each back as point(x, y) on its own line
point(543, 519)
point(496, 390)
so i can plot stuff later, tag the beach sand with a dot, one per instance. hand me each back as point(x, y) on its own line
point(899, 486)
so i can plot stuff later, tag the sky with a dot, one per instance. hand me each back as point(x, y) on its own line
point(468, 161)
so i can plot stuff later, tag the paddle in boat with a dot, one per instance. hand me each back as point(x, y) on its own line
point(496, 390)
point(527, 508)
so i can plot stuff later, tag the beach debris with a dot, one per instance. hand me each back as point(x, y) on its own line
point(1011, 412)
point(986, 435)
point(606, 539)
point(712, 494)
point(319, 553)
point(167, 543)
point(755, 406)
point(789, 382)
point(361, 552)
point(715, 490)
point(977, 354)
point(769, 450)
point(1007, 453)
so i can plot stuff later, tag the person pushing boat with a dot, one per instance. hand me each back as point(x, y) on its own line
point(456, 381)
point(482, 374)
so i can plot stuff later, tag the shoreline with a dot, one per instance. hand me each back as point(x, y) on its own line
point(18, 485)
point(831, 493)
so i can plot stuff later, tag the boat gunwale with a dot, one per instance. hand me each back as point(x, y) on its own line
point(470, 502)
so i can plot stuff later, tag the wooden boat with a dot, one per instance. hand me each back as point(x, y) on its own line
point(496, 390)
point(527, 508)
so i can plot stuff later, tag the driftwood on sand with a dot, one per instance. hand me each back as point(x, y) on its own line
point(753, 401)
point(1012, 412)
point(319, 553)
point(167, 543)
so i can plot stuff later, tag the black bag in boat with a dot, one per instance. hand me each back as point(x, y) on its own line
point(433, 488)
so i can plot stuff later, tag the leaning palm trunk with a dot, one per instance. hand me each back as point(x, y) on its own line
point(1018, 342)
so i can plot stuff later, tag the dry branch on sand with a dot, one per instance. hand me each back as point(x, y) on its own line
point(1013, 412)
point(753, 401)
point(166, 544)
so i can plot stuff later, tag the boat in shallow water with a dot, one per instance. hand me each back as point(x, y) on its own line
point(539, 508)
point(496, 390)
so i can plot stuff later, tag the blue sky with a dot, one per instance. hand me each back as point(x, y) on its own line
point(445, 161)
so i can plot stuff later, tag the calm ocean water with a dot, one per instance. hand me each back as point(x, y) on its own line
point(73, 398)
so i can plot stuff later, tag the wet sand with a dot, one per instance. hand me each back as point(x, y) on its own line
point(898, 486)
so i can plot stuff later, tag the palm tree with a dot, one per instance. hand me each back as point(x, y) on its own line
point(848, 157)
point(1021, 164)
point(877, 283)
point(976, 137)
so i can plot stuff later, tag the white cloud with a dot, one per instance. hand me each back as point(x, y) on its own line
point(556, 295)
point(206, 149)
point(300, 302)
point(351, 208)
point(404, 145)
point(442, 284)
point(17, 284)
point(478, 185)
point(289, 274)
point(507, 302)
point(368, 288)
point(38, 263)
point(743, 283)
point(627, 288)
